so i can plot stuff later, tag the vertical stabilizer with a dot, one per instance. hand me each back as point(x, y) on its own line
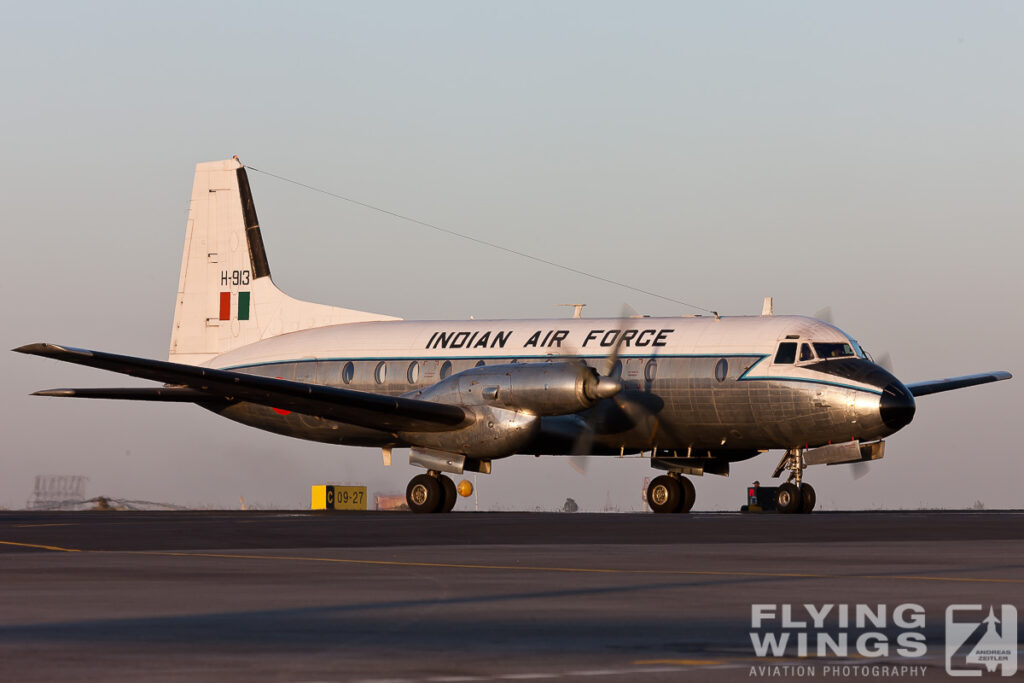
point(226, 298)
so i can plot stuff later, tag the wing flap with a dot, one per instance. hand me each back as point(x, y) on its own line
point(374, 411)
point(938, 385)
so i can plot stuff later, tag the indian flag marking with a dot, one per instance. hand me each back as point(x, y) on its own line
point(225, 305)
point(243, 305)
point(242, 312)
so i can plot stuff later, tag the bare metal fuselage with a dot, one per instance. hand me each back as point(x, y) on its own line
point(691, 385)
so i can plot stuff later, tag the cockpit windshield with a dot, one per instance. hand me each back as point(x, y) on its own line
point(827, 350)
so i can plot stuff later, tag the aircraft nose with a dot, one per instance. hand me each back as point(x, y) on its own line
point(897, 406)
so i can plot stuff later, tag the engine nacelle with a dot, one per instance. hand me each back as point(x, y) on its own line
point(556, 388)
point(496, 433)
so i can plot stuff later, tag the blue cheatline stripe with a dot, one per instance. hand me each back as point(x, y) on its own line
point(745, 377)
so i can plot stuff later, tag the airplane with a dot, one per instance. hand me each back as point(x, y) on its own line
point(696, 393)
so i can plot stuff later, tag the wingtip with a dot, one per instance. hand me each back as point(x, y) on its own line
point(51, 350)
point(54, 392)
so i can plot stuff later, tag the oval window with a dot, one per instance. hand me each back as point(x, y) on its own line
point(446, 369)
point(413, 373)
point(617, 370)
point(381, 372)
point(348, 372)
point(721, 369)
point(651, 371)
point(480, 363)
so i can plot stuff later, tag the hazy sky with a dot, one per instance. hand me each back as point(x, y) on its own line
point(866, 156)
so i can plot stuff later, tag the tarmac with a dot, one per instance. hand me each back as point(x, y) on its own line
point(300, 596)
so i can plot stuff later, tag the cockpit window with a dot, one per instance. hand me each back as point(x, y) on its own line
point(786, 355)
point(806, 353)
point(828, 350)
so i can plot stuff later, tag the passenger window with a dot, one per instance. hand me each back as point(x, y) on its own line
point(446, 369)
point(413, 373)
point(380, 374)
point(786, 354)
point(650, 370)
point(805, 352)
point(348, 373)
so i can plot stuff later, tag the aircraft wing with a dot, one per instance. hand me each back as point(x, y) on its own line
point(936, 385)
point(199, 384)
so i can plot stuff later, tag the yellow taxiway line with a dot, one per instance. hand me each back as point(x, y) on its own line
point(532, 568)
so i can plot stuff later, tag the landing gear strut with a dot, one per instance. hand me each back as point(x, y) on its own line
point(795, 495)
point(431, 492)
point(671, 493)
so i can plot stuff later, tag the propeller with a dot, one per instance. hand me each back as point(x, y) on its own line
point(884, 359)
point(609, 384)
point(859, 469)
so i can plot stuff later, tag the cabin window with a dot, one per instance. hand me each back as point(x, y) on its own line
point(806, 353)
point(348, 373)
point(617, 370)
point(721, 369)
point(480, 364)
point(786, 355)
point(446, 369)
point(650, 370)
point(413, 373)
point(380, 374)
point(828, 350)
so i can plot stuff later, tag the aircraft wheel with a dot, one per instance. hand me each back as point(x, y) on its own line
point(809, 498)
point(451, 494)
point(665, 494)
point(689, 495)
point(424, 494)
point(788, 499)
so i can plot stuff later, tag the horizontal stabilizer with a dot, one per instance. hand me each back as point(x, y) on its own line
point(168, 394)
point(374, 411)
point(937, 385)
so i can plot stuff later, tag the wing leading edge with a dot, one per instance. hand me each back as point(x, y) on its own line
point(199, 384)
point(937, 385)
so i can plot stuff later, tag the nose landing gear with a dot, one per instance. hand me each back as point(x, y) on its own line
point(794, 496)
point(671, 493)
point(431, 492)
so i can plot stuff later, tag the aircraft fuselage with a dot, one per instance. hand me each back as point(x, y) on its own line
point(706, 384)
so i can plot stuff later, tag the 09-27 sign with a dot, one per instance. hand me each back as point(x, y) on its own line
point(337, 497)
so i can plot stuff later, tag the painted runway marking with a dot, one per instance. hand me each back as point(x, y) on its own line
point(531, 568)
point(42, 547)
point(577, 570)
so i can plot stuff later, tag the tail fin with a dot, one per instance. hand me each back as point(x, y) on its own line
point(226, 298)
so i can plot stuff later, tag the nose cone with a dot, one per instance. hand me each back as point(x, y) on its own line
point(897, 406)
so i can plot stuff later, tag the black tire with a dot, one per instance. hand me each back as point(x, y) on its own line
point(451, 494)
point(809, 498)
point(788, 500)
point(664, 494)
point(689, 495)
point(424, 494)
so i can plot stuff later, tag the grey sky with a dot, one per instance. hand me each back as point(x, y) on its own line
point(866, 156)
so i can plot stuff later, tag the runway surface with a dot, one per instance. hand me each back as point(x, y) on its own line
point(476, 597)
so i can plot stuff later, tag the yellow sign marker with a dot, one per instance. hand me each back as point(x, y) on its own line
point(337, 497)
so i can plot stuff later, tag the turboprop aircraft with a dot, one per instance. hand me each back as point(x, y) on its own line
point(695, 392)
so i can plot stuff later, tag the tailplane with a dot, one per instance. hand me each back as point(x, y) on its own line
point(226, 298)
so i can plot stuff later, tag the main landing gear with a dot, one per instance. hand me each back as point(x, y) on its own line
point(431, 492)
point(671, 493)
point(795, 496)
